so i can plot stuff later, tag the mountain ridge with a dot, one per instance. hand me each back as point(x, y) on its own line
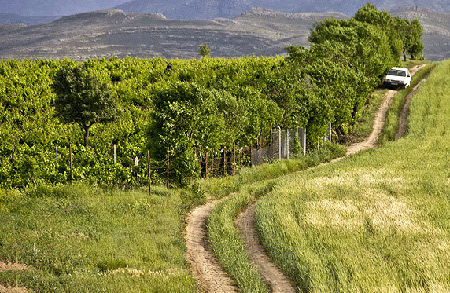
point(258, 31)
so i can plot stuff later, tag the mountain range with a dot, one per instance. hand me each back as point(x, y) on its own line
point(205, 9)
point(210, 9)
point(258, 31)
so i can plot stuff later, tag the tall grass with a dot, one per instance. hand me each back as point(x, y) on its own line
point(250, 186)
point(378, 221)
point(83, 239)
point(391, 123)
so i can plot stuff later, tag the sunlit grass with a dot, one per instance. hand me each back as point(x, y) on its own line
point(378, 221)
point(83, 239)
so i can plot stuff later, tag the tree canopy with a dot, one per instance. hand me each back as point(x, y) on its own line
point(81, 98)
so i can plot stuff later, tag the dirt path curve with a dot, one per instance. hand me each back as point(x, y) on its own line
point(403, 117)
point(246, 225)
point(272, 276)
point(206, 270)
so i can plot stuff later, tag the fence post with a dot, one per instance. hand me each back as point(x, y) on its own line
point(71, 163)
point(287, 143)
point(115, 154)
point(279, 143)
point(149, 173)
point(329, 132)
point(168, 166)
point(224, 162)
point(234, 158)
point(303, 140)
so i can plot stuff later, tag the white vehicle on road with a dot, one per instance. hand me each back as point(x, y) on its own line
point(398, 77)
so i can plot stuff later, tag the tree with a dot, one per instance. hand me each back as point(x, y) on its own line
point(411, 32)
point(82, 98)
point(204, 50)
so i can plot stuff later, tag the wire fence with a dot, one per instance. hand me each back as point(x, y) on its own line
point(284, 144)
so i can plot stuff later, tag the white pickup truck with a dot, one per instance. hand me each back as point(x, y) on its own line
point(398, 77)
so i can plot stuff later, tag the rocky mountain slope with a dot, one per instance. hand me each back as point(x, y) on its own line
point(210, 9)
point(259, 32)
point(436, 31)
point(115, 33)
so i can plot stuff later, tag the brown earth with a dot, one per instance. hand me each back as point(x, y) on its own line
point(12, 267)
point(206, 270)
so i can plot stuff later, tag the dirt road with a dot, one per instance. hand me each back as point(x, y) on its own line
point(206, 269)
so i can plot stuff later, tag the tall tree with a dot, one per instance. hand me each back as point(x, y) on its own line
point(81, 98)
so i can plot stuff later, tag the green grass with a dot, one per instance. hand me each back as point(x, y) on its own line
point(250, 186)
point(396, 107)
point(378, 221)
point(83, 239)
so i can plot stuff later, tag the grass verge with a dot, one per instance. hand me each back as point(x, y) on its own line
point(83, 239)
point(393, 114)
point(222, 233)
point(375, 222)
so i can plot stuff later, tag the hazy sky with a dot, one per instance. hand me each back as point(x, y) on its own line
point(54, 7)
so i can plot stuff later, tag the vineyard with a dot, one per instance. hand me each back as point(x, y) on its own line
point(107, 124)
point(191, 112)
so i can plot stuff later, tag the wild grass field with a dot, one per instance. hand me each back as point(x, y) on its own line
point(378, 221)
point(83, 239)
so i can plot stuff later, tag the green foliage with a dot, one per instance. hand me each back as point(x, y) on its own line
point(84, 239)
point(198, 107)
point(81, 98)
point(385, 206)
point(204, 50)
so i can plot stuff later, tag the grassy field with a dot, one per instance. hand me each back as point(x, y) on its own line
point(222, 233)
point(83, 239)
point(378, 221)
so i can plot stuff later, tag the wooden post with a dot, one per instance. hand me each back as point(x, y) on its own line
point(280, 154)
point(251, 156)
point(149, 173)
point(168, 166)
point(224, 162)
point(71, 163)
point(115, 154)
point(212, 163)
point(234, 158)
point(206, 164)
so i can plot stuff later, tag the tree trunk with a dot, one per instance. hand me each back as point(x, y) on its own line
point(86, 135)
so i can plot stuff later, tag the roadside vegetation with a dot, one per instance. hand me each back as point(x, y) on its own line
point(377, 221)
point(84, 239)
point(391, 124)
point(105, 233)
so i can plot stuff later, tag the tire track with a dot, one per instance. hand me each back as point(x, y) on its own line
point(207, 271)
point(246, 225)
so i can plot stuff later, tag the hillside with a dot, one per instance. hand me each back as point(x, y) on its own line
point(115, 33)
point(436, 29)
point(54, 7)
point(258, 32)
point(11, 18)
point(202, 9)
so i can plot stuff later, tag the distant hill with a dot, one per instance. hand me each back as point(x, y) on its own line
point(210, 9)
point(54, 7)
point(11, 18)
point(115, 33)
point(436, 27)
point(259, 32)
